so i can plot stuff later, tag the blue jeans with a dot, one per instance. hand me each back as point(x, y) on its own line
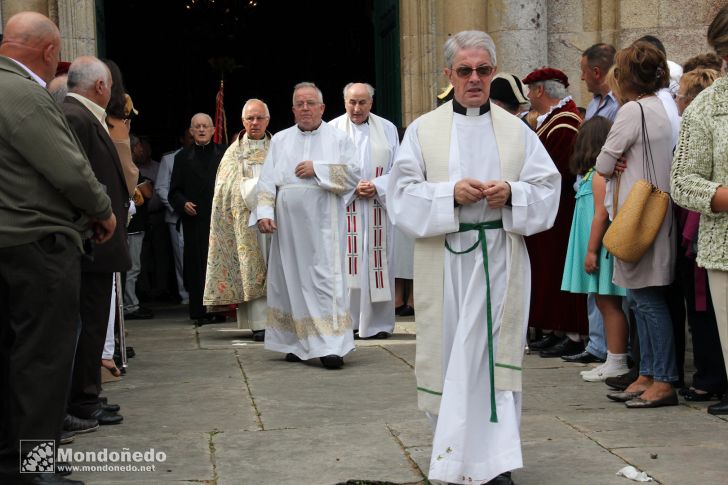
point(597, 344)
point(654, 327)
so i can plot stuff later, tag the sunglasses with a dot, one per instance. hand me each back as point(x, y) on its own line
point(467, 71)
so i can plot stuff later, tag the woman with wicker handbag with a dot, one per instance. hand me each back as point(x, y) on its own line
point(642, 135)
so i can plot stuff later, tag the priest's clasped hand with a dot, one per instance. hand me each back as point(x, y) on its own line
point(267, 226)
point(366, 189)
point(496, 192)
point(304, 170)
point(470, 191)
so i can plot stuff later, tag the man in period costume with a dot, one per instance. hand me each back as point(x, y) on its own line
point(369, 241)
point(236, 263)
point(49, 198)
point(190, 193)
point(552, 309)
point(310, 170)
point(470, 180)
point(89, 86)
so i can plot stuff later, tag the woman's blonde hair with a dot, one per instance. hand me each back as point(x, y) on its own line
point(696, 80)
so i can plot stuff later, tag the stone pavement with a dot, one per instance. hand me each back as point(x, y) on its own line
point(225, 411)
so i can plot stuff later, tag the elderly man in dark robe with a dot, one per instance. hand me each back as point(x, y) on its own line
point(190, 193)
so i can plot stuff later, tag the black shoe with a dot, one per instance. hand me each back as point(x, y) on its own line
point(292, 358)
point(111, 408)
point(139, 314)
point(332, 361)
point(582, 358)
point(720, 408)
point(622, 382)
point(693, 395)
point(502, 479)
point(548, 340)
point(79, 425)
point(406, 311)
point(106, 418)
point(378, 336)
point(565, 347)
point(66, 437)
point(258, 335)
point(204, 321)
point(356, 334)
point(130, 354)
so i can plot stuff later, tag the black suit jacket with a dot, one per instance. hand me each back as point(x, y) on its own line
point(113, 255)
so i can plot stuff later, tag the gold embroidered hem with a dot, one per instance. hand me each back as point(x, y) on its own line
point(236, 269)
point(338, 175)
point(309, 326)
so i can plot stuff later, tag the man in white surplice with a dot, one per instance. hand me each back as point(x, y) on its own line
point(308, 173)
point(469, 181)
point(369, 242)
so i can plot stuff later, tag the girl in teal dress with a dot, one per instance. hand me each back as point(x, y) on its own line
point(588, 267)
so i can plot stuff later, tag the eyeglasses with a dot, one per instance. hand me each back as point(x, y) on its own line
point(204, 127)
point(251, 119)
point(467, 71)
point(301, 104)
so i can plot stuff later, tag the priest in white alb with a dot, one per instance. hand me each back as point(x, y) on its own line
point(369, 241)
point(309, 171)
point(469, 181)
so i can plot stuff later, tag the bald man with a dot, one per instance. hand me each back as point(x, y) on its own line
point(49, 200)
point(89, 85)
point(191, 190)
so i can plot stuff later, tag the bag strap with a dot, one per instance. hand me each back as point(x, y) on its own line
point(648, 163)
point(615, 197)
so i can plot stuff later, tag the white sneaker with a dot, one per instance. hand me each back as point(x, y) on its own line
point(601, 373)
point(588, 371)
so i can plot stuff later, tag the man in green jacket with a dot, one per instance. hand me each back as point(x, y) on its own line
point(49, 202)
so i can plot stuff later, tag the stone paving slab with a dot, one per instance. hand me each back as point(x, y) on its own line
point(373, 386)
point(187, 456)
point(332, 454)
point(191, 388)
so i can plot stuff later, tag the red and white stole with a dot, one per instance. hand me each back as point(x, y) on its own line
point(380, 153)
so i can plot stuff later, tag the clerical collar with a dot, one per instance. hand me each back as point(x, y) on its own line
point(460, 109)
point(310, 132)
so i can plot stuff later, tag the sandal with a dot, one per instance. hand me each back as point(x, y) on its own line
point(110, 365)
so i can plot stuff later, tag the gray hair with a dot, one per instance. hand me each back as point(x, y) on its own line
point(204, 115)
point(305, 84)
point(370, 89)
point(552, 89)
point(85, 71)
point(58, 87)
point(256, 100)
point(468, 39)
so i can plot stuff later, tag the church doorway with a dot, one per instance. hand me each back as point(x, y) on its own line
point(174, 53)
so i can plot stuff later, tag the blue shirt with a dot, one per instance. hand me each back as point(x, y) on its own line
point(605, 106)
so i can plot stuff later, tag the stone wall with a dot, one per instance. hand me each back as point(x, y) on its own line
point(534, 33)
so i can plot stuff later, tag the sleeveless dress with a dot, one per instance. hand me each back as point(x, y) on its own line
point(575, 279)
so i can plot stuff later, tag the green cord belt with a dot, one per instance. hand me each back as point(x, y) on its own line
point(481, 227)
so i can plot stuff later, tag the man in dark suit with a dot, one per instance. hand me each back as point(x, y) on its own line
point(89, 85)
point(190, 193)
point(49, 199)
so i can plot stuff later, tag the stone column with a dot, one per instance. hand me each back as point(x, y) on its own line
point(77, 22)
point(520, 35)
point(418, 47)
point(8, 8)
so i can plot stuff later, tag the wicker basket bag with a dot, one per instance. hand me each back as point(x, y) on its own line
point(636, 224)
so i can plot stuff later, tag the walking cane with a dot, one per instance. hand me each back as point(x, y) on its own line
point(122, 329)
